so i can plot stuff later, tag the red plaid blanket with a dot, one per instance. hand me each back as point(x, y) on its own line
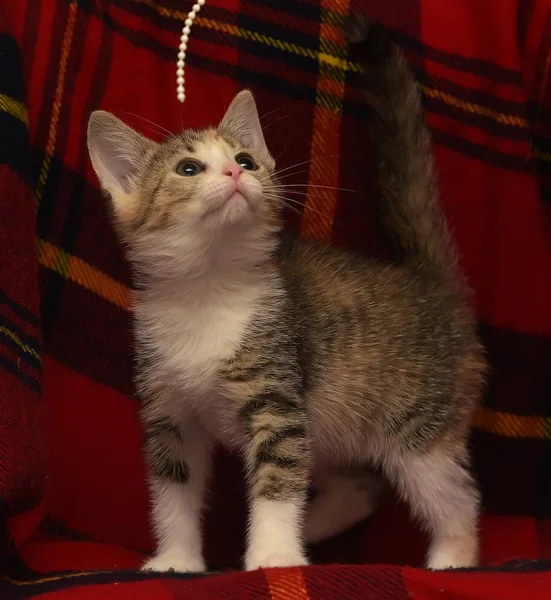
point(73, 504)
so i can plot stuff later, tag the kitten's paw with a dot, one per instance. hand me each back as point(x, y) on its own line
point(268, 560)
point(174, 563)
point(454, 553)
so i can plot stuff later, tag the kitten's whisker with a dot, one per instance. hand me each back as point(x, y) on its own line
point(289, 206)
point(312, 160)
point(308, 207)
point(160, 127)
point(286, 202)
point(291, 174)
point(270, 113)
point(149, 129)
point(281, 154)
point(299, 193)
point(324, 187)
point(276, 121)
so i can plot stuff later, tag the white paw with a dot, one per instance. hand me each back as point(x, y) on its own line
point(268, 560)
point(454, 554)
point(174, 562)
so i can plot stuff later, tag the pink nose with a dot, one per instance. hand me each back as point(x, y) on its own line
point(233, 171)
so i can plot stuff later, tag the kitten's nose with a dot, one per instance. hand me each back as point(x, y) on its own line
point(233, 171)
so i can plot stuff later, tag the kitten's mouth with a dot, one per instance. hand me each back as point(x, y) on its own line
point(234, 199)
point(236, 196)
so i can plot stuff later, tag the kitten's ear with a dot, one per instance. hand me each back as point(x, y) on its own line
point(241, 121)
point(118, 153)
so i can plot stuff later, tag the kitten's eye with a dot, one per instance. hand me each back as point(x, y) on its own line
point(246, 162)
point(189, 168)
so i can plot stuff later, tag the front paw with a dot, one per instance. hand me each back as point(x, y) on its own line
point(174, 563)
point(268, 560)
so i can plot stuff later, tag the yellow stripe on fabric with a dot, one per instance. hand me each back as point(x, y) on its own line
point(234, 30)
point(286, 584)
point(515, 426)
point(472, 108)
point(321, 202)
point(85, 275)
point(23, 583)
point(58, 99)
point(15, 338)
point(14, 108)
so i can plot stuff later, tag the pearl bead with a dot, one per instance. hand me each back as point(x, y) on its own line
point(180, 64)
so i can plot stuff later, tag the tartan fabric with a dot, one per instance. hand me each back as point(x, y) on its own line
point(72, 493)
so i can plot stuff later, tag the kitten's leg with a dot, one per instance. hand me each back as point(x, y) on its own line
point(342, 501)
point(442, 494)
point(278, 463)
point(178, 458)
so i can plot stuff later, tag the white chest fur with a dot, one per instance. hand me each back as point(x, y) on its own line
point(191, 336)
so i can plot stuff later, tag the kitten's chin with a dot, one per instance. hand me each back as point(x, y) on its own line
point(237, 207)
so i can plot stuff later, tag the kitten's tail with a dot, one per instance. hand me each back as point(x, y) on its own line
point(408, 198)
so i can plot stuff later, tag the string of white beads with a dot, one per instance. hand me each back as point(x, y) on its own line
point(180, 81)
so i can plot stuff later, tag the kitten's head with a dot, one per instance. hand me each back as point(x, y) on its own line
point(195, 193)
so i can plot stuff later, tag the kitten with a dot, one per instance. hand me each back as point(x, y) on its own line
point(311, 362)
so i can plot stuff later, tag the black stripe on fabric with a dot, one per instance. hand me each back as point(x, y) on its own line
point(169, 23)
point(545, 193)
point(457, 62)
point(29, 340)
point(14, 146)
point(296, 61)
point(543, 501)
point(29, 35)
point(515, 359)
point(309, 11)
point(11, 75)
point(17, 309)
point(34, 584)
point(29, 359)
point(278, 32)
point(471, 95)
point(483, 153)
point(440, 107)
point(518, 565)
point(524, 16)
point(7, 545)
point(483, 122)
point(12, 368)
point(542, 144)
point(42, 127)
point(71, 224)
point(269, 82)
